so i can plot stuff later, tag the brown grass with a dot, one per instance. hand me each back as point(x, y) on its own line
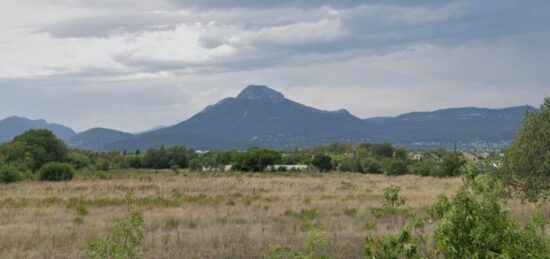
point(204, 216)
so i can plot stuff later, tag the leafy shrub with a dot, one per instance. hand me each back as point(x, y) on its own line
point(402, 245)
point(123, 240)
point(382, 150)
point(392, 199)
point(316, 242)
point(9, 174)
point(425, 168)
point(322, 162)
point(406, 244)
point(56, 171)
point(257, 159)
point(79, 161)
point(451, 166)
point(34, 149)
point(440, 207)
point(526, 165)
point(372, 166)
point(475, 225)
point(397, 167)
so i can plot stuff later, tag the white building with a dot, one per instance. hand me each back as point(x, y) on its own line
point(288, 167)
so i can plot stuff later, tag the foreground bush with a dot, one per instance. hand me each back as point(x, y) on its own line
point(56, 172)
point(124, 239)
point(526, 165)
point(9, 174)
point(473, 224)
point(477, 226)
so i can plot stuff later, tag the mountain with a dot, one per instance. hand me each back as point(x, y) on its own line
point(97, 138)
point(149, 130)
point(469, 127)
point(13, 126)
point(258, 116)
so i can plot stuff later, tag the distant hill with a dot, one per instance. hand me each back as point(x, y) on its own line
point(13, 126)
point(468, 126)
point(97, 138)
point(259, 116)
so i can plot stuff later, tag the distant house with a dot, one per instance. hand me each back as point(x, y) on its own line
point(470, 156)
point(209, 169)
point(416, 156)
point(485, 155)
point(287, 167)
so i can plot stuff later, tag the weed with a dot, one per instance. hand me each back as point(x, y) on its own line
point(351, 212)
point(170, 224)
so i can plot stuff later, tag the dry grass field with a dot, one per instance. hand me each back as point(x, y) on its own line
point(205, 215)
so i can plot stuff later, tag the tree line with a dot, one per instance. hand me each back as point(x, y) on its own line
point(27, 155)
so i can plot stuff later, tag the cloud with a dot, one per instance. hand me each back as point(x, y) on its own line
point(165, 60)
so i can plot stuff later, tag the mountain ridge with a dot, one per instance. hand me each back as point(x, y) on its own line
point(261, 116)
point(12, 126)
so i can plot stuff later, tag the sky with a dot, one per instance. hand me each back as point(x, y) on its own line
point(137, 64)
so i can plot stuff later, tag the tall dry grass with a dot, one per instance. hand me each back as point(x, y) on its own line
point(205, 216)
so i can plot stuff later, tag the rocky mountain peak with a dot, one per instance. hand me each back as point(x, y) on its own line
point(260, 92)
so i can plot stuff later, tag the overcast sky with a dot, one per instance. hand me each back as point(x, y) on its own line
point(136, 64)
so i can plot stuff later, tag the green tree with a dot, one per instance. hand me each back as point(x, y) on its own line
point(257, 159)
point(526, 164)
point(156, 159)
point(56, 171)
point(322, 162)
point(9, 174)
point(451, 165)
point(372, 166)
point(382, 150)
point(79, 160)
point(397, 167)
point(425, 168)
point(34, 149)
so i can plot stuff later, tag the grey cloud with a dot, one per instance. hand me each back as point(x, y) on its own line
point(364, 29)
point(109, 25)
point(378, 58)
point(261, 4)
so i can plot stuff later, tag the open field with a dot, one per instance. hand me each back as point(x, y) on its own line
point(206, 216)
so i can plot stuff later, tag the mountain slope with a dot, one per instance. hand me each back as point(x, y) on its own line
point(444, 127)
point(13, 126)
point(259, 116)
point(97, 138)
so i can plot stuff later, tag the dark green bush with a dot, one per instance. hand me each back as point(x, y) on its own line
point(256, 159)
point(9, 174)
point(397, 167)
point(425, 168)
point(451, 166)
point(322, 162)
point(372, 166)
point(56, 171)
point(34, 149)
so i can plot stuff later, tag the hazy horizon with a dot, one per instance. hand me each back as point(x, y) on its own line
point(135, 65)
point(235, 96)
